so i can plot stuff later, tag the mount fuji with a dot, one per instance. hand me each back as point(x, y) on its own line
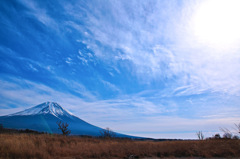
point(43, 118)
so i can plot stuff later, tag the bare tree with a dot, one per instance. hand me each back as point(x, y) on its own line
point(238, 127)
point(107, 133)
point(200, 135)
point(227, 133)
point(64, 128)
point(230, 135)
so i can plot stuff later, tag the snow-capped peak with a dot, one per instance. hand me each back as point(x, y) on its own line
point(45, 108)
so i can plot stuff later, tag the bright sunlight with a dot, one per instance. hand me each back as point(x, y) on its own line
point(216, 23)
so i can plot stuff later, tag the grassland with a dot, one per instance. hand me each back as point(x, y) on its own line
point(57, 146)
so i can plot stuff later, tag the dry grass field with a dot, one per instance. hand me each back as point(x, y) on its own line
point(56, 146)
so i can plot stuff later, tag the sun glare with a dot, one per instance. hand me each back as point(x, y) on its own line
point(216, 23)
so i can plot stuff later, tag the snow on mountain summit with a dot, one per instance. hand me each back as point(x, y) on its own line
point(45, 108)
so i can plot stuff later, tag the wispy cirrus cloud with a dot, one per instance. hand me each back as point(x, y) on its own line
point(157, 44)
point(17, 59)
point(132, 114)
point(39, 13)
point(153, 45)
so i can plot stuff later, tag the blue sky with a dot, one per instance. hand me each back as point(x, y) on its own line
point(144, 68)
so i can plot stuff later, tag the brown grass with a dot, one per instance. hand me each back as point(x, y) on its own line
point(56, 146)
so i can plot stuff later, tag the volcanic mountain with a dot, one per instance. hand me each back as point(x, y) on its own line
point(43, 118)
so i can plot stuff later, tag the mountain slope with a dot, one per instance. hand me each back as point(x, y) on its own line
point(43, 117)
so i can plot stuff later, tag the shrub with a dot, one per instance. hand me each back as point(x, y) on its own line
point(217, 136)
point(235, 137)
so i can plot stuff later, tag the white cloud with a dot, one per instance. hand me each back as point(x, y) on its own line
point(155, 36)
point(173, 127)
point(68, 60)
point(33, 68)
point(132, 114)
point(111, 86)
point(78, 88)
point(85, 58)
point(40, 13)
point(31, 64)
